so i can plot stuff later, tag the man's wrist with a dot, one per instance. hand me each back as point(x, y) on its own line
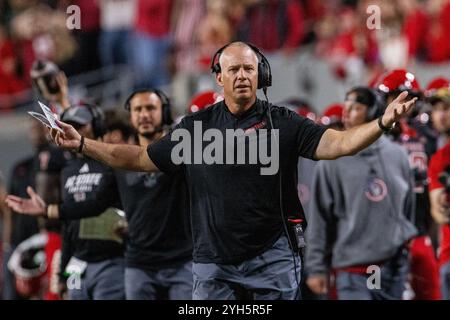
point(81, 146)
point(384, 128)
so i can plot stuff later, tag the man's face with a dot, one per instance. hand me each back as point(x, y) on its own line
point(239, 75)
point(440, 116)
point(354, 112)
point(146, 113)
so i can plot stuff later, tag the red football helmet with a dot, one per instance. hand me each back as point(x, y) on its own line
point(438, 83)
point(28, 264)
point(203, 100)
point(399, 80)
point(332, 114)
point(437, 86)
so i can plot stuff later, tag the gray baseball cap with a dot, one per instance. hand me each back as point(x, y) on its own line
point(77, 114)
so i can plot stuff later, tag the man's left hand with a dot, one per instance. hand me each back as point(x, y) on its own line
point(397, 109)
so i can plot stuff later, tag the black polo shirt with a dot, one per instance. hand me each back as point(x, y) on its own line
point(235, 211)
point(157, 210)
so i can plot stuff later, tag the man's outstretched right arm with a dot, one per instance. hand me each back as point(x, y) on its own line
point(128, 157)
point(120, 156)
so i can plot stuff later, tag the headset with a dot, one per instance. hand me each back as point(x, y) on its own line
point(264, 71)
point(375, 108)
point(165, 101)
point(370, 98)
point(264, 81)
point(98, 118)
point(378, 107)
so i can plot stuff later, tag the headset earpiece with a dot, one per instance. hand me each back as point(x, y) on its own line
point(264, 70)
point(377, 109)
point(165, 103)
point(166, 113)
point(98, 120)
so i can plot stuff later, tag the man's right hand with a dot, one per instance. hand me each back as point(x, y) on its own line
point(69, 140)
point(318, 283)
point(33, 206)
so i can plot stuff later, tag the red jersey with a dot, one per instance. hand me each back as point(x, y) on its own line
point(153, 17)
point(438, 163)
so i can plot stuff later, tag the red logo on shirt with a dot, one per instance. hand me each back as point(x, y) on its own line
point(255, 127)
point(376, 190)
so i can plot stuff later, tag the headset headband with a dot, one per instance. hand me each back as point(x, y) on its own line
point(264, 70)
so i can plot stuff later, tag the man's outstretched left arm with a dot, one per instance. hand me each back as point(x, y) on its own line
point(335, 144)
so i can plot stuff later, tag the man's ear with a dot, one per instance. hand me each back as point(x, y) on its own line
point(219, 79)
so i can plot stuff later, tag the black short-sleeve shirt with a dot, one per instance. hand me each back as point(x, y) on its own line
point(235, 210)
point(157, 210)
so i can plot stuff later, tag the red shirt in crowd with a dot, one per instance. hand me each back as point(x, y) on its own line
point(439, 161)
point(10, 83)
point(153, 17)
point(437, 43)
point(90, 15)
point(283, 22)
point(415, 29)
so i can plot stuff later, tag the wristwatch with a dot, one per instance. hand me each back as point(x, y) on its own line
point(383, 127)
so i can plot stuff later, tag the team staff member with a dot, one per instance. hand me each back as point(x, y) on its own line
point(419, 141)
point(358, 215)
point(159, 248)
point(438, 96)
point(439, 189)
point(440, 204)
point(239, 244)
point(86, 184)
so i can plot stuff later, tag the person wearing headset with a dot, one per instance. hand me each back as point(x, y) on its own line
point(159, 250)
point(238, 215)
point(158, 254)
point(359, 214)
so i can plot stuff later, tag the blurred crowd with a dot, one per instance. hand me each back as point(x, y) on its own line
point(169, 45)
point(174, 39)
point(32, 265)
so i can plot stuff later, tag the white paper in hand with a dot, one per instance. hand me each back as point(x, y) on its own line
point(41, 118)
point(51, 117)
point(48, 118)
